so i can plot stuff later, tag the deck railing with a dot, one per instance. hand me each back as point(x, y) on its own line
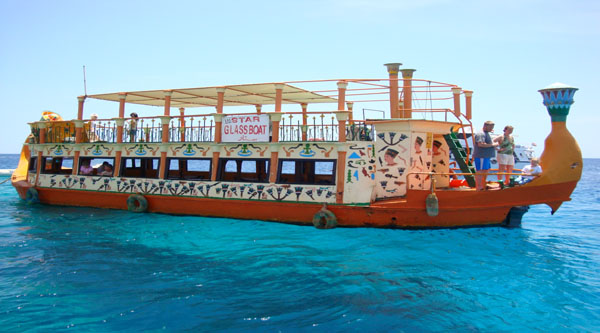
point(199, 128)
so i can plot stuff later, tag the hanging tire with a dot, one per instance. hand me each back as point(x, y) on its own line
point(137, 203)
point(324, 219)
point(32, 196)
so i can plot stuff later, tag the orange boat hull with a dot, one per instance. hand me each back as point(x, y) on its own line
point(456, 208)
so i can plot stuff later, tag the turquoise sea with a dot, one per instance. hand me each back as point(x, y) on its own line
point(83, 269)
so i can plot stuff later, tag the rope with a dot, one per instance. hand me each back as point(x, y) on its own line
point(4, 181)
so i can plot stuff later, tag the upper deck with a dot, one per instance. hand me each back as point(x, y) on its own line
point(295, 111)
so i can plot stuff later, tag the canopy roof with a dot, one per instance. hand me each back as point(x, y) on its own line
point(247, 94)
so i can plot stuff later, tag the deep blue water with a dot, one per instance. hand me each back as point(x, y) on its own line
point(102, 270)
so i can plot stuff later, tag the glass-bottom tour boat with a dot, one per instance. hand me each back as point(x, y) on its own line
point(305, 160)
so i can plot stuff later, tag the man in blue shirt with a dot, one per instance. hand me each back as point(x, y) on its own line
point(483, 151)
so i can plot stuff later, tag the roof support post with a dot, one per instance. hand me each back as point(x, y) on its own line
point(278, 96)
point(407, 75)
point(468, 101)
point(393, 69)
point(80, 100)
point(258, 108)
point(220, 99)
point(456, 92)
point(168, 94)
point(342, 85)
point(122, 97)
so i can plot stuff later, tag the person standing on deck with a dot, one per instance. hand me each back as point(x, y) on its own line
point(506, 149)
point(133, 126)
point(483, 151)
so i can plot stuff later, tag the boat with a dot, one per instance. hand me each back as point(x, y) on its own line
point(291, 152)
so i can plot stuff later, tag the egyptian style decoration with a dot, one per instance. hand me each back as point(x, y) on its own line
point(205, 189)
point(98, 150)
point(360, 172)
point(392, 160)
point(420, 161)
point(558, 98)
point(440, 158)
point(59, 150)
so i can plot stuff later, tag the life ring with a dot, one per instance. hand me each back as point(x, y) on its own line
point(32, 196)
point(324, 219)
point(137, 203)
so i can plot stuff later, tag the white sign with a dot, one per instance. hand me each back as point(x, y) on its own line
point(250, 128)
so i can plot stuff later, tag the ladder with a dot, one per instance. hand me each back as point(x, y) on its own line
point(460, 156)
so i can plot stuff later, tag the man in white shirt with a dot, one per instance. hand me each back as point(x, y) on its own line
point(532, 171)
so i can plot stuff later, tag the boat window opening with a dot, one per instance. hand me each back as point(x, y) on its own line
point(57, 165)
point(243, 170)
point(96, 166)
point(140, 167)
point(306, 171)
point(188, 168)
point(33, 164)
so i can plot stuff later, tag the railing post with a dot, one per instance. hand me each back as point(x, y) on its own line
point(350, 106)
point(275, 119)
point(164, 121)
point(218, 119)
point(182, 124)
point(120, 123)
point(304, 127)
point(42, 126)
point(456, 93)
point(342, 116)
point(468, 101)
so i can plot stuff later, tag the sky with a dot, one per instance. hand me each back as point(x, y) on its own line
point(502, 50)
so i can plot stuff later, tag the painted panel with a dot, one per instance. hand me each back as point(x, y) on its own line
point(392, 150)
point(142, 150)
point(59, 150)
point(207, 189)
point(440, 159)
point(308, 150)
point(359, 173)
point(108, 150)
point(189, 150)
point(420, 161)
point(246, 150)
